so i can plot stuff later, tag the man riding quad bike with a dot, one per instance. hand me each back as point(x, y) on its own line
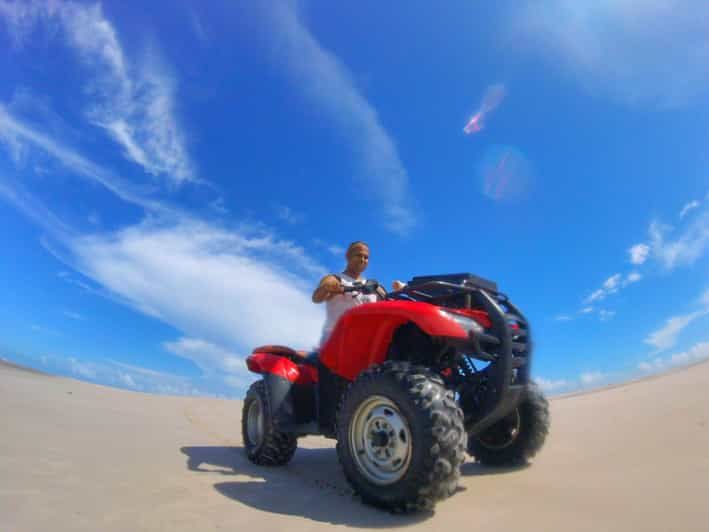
point(406, 386)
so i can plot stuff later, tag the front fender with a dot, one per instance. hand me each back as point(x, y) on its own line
point(362, 335)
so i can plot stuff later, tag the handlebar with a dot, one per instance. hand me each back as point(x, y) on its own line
point(368, 287)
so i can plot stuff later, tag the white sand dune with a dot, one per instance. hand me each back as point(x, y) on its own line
point(74, 456)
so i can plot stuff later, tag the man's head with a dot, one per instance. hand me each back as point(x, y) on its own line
point(357, 256)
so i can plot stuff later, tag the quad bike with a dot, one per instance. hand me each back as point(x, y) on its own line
point(406, 385)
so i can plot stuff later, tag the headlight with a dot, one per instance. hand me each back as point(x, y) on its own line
point(469, 324)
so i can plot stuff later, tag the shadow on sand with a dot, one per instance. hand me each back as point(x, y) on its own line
point(476, 469)
point(311, 485)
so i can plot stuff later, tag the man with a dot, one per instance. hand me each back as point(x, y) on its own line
point(330, 289)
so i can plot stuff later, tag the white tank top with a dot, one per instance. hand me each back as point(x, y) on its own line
point(336, 306)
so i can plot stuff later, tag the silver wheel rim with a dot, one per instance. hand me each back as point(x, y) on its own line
point(254, 423)
point(513, 433)
point(380, 440)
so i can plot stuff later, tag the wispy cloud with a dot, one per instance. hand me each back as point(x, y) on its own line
point(666, 336)
point(288, 215)
point(638, 253)
point(326, 81)
point(551, 385)
point(696, 353)
point(632, 277)
point(583, 381)
point(210, 282)
point(688, 207)
point(598, 40)
point(12, 131)
point(214, 361)
point(606, 315)
point(592, 377)
point(673, 248)
point(338, 251)
point(610, 286)
point(229, 289)
point(129, 376)
point(563, 317)
point(73, 315)
point(133, 102)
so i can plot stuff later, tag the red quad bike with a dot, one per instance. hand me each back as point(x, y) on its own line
point(405, 385)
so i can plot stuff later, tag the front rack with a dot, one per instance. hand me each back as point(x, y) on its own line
point(507, 344)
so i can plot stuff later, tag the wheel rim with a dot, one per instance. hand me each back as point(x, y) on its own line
point(503, 433)
point(254, 423)
point(380, 440)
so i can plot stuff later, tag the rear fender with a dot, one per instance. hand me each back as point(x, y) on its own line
point(289, 389)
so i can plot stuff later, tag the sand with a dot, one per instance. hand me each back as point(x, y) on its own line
point(76, 456)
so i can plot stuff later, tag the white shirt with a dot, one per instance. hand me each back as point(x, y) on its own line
point(340, 303)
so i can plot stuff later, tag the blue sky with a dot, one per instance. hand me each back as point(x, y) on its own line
point(175, 179)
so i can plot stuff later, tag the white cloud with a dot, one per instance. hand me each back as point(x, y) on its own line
point(210, 358)
point(128, 380)
point(229, 289)
point(73, 315)
point(14, 130)
point(338, 251)
point(563, 317)
point(688, 207)
point(606, 315)
point(696, 353)
point(551, 385)
point(288, 215)
point(652, 52)
point(685, 248)
point(632, 277)
point(136, 378)
point(610, 286)
point(586, 310)
point(666, 336)
point(638, 253)
point(233, 288)
point(592, 377)
point(82, 369)
point(656, 364)
point(325, 80)
point(135, 104)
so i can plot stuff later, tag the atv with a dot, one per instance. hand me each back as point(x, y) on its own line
point(405, 385)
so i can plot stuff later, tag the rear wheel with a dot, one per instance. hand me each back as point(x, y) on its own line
point(516, 438)
point(264, 445)
point(400, 437)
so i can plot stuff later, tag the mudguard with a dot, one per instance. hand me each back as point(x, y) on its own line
point(362, 335)
point(288, 386)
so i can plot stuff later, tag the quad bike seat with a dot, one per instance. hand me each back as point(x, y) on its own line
point(309, 358)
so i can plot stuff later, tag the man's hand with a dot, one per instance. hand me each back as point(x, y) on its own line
point(397, 285)
point(329, 286)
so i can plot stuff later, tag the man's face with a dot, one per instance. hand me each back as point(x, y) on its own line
point(358, 258)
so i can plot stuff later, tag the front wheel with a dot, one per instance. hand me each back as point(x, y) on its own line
point(400, 437)
point(516, 438)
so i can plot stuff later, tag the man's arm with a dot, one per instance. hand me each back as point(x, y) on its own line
point(329, 286)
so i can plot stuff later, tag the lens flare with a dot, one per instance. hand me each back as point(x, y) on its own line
point(505, 173)
point(493, 97)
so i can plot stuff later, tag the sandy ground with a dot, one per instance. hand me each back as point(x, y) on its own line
point(74, 456)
